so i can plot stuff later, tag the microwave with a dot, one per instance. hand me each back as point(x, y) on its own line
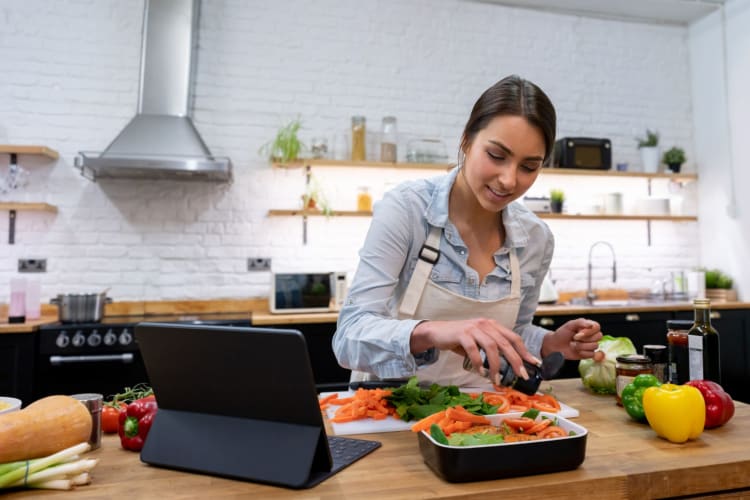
point(583, 152)
point(307, 292)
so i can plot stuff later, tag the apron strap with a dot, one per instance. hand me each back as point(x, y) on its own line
point(428, 256)
point(515, 274)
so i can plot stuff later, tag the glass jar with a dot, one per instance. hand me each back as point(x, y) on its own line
point(627, 368)
point(677, 344)
point(364, 200)
point(658, 356)
point(359, 138)
point(388, 140)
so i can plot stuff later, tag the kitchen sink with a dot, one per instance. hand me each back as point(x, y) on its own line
point(580, 301)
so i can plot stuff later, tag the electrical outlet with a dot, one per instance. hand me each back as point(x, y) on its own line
point(32, 265)
point(259, 264)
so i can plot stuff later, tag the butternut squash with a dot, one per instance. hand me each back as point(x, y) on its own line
point(46, 426)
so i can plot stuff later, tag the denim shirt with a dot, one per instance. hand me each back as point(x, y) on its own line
point(369, 336)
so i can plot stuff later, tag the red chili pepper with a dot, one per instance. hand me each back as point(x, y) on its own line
point(135, 422)
point(719, 404)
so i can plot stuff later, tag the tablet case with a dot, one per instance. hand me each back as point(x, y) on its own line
point(236, 402)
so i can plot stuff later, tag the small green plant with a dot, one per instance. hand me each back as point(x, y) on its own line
point(286, 146)
point(674, 155)
point(557, 195)
point(314, 197)
point(717, 279)
point(651, 140)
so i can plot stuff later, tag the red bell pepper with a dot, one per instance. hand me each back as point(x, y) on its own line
point(135, 422)
point(719, 404)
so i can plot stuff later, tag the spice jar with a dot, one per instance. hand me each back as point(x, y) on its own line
point(677, 343)
point(359, 136)
point(388, 139)
point(627, 368)
point(364, 200)
point(93, 403)
point(658, 356)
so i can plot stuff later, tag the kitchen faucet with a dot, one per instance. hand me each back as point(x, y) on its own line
point(590, 295)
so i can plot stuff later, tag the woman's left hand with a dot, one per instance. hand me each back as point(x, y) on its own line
point(576, 339)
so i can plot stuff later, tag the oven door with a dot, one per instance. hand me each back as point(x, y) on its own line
point(103, 373)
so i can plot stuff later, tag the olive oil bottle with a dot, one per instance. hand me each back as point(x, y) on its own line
point(703, 345)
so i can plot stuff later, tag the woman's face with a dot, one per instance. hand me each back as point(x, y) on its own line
point(503, 161)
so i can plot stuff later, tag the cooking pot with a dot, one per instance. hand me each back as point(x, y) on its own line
point(80, 307)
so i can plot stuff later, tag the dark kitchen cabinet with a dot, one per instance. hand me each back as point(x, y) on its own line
point(640, 327)
point(733, 326)
point(17, 365)
point(329, 376)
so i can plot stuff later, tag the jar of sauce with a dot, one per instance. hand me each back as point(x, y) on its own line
point(677, 343)
point(627, 368)
point(364, 200)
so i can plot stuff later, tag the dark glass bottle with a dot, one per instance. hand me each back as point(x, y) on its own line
point(703, 345)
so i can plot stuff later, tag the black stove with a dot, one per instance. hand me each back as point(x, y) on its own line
point(101, 357)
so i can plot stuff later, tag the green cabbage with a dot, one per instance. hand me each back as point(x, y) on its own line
point(600, 376)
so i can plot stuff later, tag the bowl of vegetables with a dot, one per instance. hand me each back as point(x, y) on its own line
point(502, 445)
point(8, 404)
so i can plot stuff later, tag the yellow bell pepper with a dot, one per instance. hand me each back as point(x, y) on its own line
point(676, 412)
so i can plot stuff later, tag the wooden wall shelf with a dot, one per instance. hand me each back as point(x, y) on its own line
point(354, 213)
point(363, 164)
point(13, 206)
point(448, 166)
point(29, 150)
point(18, 205)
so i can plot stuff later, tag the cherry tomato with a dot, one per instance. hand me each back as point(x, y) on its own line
point(110, 417)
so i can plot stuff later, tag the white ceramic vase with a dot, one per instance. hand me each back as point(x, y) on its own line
point(650, 159)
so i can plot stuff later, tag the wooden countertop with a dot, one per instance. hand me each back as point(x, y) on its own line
point(264, 317)
point(624, 459)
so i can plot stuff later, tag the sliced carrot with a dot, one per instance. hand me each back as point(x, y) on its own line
point(539, 426)
point(522, 423)
point(463, 415)
point(513, 438)
point(542, 406)
point(495, 399)
point(328, 398)
point(519, 407)
point(552, 431)
point(426, 422)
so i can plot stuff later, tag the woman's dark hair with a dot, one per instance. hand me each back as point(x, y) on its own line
point(513, 96)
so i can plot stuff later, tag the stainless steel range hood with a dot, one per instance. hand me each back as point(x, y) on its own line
point(161, 142)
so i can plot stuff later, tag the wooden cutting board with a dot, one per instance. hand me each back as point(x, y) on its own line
point(391, 424)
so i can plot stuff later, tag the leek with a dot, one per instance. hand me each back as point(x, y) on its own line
point(62, 470)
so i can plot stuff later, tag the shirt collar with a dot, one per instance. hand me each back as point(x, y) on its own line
point(436, 212)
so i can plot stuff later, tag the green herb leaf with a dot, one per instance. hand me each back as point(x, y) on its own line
point(437, 434)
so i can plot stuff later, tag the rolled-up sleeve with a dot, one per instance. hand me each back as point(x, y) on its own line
point(540, 238)
point(369, 338)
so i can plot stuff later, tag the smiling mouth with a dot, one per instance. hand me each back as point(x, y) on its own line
point(498, 194)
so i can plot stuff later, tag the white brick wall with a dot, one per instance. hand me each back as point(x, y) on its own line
point(70, 81)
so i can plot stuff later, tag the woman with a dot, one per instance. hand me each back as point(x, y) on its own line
point(451, 266)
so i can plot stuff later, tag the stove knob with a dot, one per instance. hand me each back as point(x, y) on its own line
point(110, 338)
point(94, 339)
point(79, 339)
point(126, 337)
point(62, 340)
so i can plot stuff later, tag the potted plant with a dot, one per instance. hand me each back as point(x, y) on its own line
point(674, 158)
point(286, 146)
point(649, 147)
point(556, 198)
point(314, 197)
point(719, 286)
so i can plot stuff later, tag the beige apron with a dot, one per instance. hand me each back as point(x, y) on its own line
point(424, 299)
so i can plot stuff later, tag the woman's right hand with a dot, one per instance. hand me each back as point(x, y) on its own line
point(467, 337)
